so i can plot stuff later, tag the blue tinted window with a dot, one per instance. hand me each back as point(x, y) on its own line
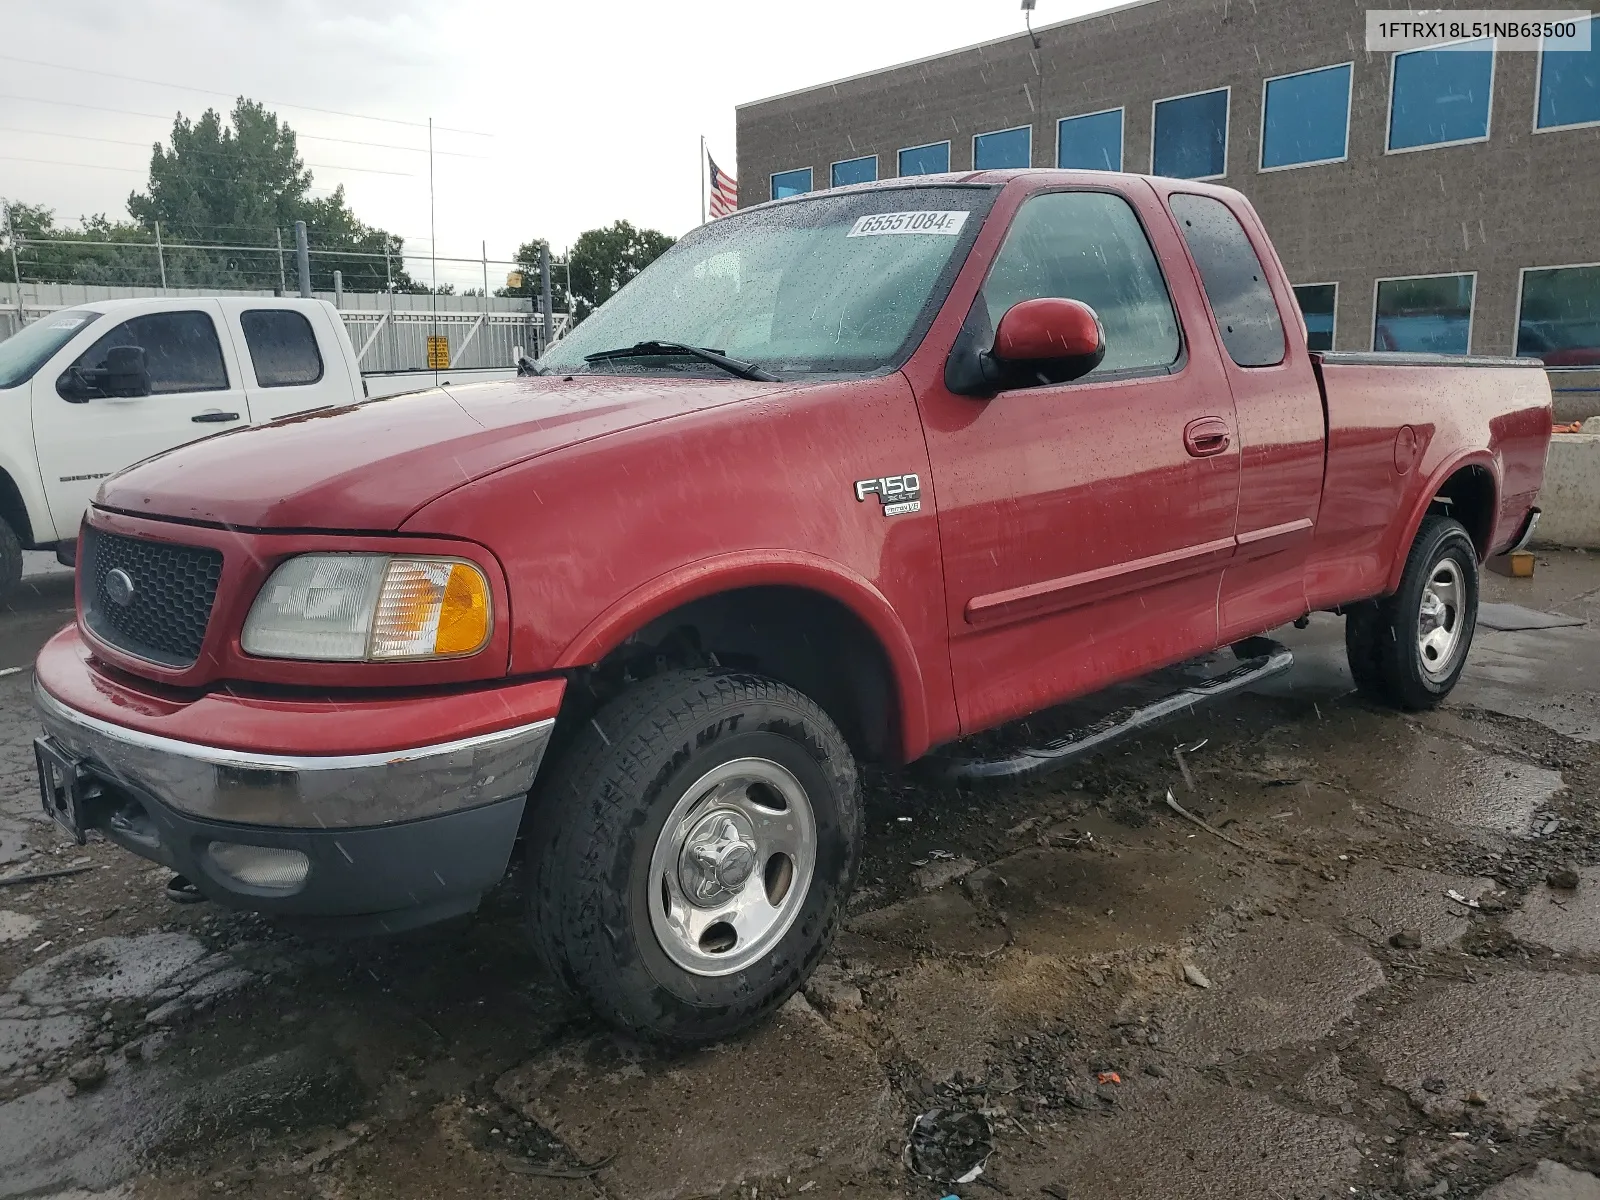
point(791, 183)
point(931, 159)
point(1316, 306)
point(1007, 148)
point(1429, 315)
point(1307, 117)
point(855, 170)
point(1569, 83)
point(1191, 137)
point(1091, 143)
point(1441, 95)
point(1560, 316)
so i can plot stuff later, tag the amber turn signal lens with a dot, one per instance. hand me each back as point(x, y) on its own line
point(464, 614)
point(429, 608)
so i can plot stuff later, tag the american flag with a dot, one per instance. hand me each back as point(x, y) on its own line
point(724, 191)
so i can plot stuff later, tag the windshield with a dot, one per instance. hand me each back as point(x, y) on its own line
point(26, 352)
point(834, 284)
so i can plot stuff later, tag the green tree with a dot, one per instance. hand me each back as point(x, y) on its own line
point(527, 265)
point(47, 251)
point(602, 260)
point(242, 182)
point(598, 263)
point(234, 186)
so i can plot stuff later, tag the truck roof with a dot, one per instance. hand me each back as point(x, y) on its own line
point(126, 302)
point(998, 178)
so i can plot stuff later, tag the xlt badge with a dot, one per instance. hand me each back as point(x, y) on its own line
point(899, 494)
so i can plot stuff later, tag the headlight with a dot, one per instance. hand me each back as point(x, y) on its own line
point(351, 607)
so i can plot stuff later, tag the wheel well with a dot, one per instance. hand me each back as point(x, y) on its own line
point(14, 511)
point(1469, 497)
point(802, 638)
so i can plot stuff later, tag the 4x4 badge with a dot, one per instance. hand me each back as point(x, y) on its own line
point(899, 494)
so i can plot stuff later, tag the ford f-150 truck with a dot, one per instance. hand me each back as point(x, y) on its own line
point(842, 478)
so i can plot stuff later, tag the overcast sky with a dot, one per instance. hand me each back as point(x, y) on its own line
point(593, 110)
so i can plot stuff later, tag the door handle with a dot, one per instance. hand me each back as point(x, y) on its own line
point(214, 416)
point(1207, 436)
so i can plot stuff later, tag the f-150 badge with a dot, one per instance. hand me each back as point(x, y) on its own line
point(899, 494)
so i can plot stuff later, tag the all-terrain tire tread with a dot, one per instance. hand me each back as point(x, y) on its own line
point(580, 812)
point(1378, 635)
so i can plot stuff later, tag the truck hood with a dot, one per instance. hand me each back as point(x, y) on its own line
point(367, 467)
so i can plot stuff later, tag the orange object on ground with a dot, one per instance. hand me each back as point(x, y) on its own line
point(1108, 1077)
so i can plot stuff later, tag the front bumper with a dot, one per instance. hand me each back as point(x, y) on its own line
point(391, 839)
point(313, 791)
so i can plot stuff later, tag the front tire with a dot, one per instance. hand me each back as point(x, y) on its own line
point(691, 853)
point(1409, 649)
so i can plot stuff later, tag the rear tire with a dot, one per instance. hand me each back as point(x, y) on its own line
point(690, 853)
point(1408, 650)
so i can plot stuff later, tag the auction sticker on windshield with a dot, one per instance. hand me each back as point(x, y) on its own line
point(925, 221)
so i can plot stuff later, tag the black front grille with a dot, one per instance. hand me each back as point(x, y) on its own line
point(163, 617)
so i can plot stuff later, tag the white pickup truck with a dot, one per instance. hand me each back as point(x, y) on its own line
point(87, 391)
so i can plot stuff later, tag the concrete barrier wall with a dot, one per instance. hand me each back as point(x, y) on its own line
point(1571, 495)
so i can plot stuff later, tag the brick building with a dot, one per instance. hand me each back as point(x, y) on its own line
point(1437, 200)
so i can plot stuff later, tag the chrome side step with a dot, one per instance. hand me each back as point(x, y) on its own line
point(1273, 659)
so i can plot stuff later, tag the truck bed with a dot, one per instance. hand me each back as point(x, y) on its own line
point(1400, 426)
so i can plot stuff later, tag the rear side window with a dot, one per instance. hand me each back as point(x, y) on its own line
point(283, 349)
point(1235, 282)
point(1089, 246)
point(181, 352)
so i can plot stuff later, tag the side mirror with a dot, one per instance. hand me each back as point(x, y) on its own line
point(125, 373)
point(1049, 340)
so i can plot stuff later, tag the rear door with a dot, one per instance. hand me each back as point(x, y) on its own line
point(1085, 526)
point(292, 359)
point(1281, 425)
point(82, 435)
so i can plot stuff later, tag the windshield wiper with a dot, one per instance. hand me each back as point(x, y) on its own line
point(716, 358)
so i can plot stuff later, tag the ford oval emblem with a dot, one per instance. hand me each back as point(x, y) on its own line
point(119, 587)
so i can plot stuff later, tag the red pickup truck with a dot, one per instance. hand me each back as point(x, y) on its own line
point(845, 477)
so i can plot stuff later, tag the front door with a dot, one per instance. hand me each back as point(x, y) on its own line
point(82, 435)
point(1085, 526)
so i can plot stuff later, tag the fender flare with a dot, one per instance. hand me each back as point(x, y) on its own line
point(1419, 507)
point(768, 568)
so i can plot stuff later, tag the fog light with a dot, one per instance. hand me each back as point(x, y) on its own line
point(271, 867)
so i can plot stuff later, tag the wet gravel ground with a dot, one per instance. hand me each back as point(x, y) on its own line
point(1358, 981)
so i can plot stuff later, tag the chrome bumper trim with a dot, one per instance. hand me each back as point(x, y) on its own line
point(296, 791)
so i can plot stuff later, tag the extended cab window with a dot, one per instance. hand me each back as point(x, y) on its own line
point(1089, 246)
point(1235, 282)
point(181, 352)
point(283, 349)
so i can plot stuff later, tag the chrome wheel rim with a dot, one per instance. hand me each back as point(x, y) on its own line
point(732, 866)
point(1442, 618)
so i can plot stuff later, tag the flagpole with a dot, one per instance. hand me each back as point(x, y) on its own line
point(702, 179)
